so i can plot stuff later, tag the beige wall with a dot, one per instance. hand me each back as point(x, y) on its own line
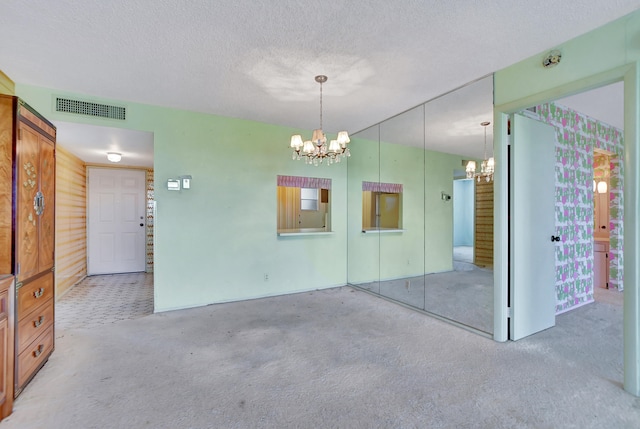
point(71, 220)
point(6, 85)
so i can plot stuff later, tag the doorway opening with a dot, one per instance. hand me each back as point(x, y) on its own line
point(463, 223)
point(588, 197)
point(82, 148)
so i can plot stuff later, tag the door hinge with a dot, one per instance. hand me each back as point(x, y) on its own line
point(19, 133)
point(510, 312)
point(18, 269)
point(18, 285)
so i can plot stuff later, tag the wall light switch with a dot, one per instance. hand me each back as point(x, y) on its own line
point(173, 185)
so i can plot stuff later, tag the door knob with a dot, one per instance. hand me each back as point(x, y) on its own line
point(555, 238)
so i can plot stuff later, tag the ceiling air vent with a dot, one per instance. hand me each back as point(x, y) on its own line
point(90, 109)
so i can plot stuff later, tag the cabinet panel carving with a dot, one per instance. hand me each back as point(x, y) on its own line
point(47, 219)
point(27, 227)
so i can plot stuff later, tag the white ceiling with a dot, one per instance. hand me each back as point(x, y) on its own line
point(256, 59)
point(606, 104)
point(91, 143)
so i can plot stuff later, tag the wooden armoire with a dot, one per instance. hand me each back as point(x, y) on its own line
point(27, 192)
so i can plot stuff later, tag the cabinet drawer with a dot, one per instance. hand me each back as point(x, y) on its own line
point(34, 323)
point(33, 355)
point(34, 293)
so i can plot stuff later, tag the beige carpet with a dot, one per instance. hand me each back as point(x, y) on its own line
point(337, 358)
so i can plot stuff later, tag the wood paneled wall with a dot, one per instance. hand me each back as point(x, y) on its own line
point(483, 246)
point(6, 85)
point(71, 220)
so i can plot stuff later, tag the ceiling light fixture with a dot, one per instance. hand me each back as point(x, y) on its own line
point(314, 151)
point(488, 164)
point(114, 156)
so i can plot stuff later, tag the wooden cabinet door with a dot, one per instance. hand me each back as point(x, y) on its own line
point(28, 171)
point(47, 218)
point(4, 359)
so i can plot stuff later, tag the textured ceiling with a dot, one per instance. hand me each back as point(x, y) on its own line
point(256, 59)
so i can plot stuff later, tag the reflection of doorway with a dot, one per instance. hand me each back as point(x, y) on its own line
point(463, 221)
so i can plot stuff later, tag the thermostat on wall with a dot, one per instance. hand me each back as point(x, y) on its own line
point(173, 184)
point(186, 182)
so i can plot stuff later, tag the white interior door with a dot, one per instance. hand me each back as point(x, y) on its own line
point(532, 225)
point(116, 221)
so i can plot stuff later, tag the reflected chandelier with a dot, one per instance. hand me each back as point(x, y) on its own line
point(488, 164)
point(315, 151)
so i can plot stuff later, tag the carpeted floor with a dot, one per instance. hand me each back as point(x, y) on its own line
point(464, 295)
point(337, 358)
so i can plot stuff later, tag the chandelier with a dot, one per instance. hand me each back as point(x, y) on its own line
point(488, 164)
point(316, 150)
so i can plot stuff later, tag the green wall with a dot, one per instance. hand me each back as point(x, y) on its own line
point(426, 244)
point(604, 55)
point(216, 242)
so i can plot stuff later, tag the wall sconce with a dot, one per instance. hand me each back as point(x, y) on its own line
point(552, 59)
point(114, 156)
point(601, 187)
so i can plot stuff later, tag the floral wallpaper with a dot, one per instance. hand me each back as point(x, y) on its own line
point(577, 136)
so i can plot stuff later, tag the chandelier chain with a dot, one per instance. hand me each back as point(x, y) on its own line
point(321, 105)
point(485, 142)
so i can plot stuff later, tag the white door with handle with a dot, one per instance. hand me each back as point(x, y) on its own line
point(532, 227)
point(116, 221)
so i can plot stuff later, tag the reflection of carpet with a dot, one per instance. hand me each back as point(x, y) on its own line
point(462, 296)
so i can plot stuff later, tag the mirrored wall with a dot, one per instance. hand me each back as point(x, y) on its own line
point(419, 231)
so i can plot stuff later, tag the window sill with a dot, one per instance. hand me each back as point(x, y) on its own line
point(381, 230)
point(303, 231)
